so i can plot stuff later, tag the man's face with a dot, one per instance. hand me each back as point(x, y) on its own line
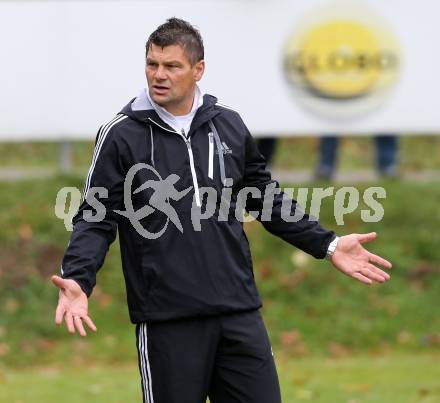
point(171, 78)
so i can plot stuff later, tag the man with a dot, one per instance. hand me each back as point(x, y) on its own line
point(191, 290)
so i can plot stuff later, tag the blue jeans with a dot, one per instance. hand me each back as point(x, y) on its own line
point(386, 155)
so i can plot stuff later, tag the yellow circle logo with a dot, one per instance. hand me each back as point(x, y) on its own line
point(342, 58)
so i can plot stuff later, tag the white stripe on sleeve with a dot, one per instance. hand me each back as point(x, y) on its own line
point(101, 138)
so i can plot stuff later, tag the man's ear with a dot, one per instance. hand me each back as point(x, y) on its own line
point(199, 69)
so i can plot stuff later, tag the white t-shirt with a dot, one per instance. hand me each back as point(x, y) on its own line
point(182, 123)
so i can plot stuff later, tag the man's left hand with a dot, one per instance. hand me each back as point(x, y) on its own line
point(352, 259)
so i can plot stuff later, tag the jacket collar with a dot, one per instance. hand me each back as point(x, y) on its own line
point(142, 110)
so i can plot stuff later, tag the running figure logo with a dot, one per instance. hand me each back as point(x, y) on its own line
point(163, 191)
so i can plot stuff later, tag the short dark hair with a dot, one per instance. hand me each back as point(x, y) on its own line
point(178, 32)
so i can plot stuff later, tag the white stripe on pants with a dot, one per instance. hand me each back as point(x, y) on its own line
point(145, 364)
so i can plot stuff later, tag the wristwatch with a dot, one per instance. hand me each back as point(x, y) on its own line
point(331, 248)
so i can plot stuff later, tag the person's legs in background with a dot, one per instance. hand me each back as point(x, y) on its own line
point(386, 155)
point(328, 150)
point(267, 146)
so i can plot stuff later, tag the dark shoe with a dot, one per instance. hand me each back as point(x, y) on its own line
point(390, 172)
point(323, 173)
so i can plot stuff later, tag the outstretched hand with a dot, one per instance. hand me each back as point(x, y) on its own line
point(72, 306)
point(352, 259)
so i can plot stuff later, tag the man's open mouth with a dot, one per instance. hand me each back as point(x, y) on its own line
point(160, 89)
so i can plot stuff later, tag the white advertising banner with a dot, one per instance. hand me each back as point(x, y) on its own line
point(288, 66)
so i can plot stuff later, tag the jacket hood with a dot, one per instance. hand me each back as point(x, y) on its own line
point(141, 109)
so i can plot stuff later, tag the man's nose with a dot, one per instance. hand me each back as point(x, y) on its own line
point(160, 73)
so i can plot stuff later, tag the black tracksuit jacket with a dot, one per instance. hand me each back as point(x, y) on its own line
point(195, 272)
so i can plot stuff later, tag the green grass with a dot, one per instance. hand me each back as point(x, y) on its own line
point(310, 308)
point(358, 153)
point(300, 153)
point(43, 154)
point(328, 330)
point(392, 378)
point(323, 307)
point(400, 379)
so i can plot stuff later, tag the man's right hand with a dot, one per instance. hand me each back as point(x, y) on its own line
point(72, 306)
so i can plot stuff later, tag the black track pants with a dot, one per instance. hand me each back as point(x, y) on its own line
point(228, 358)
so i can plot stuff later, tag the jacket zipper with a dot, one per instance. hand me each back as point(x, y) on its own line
point(193, 168)
point(211, 156)
point(191, 159)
